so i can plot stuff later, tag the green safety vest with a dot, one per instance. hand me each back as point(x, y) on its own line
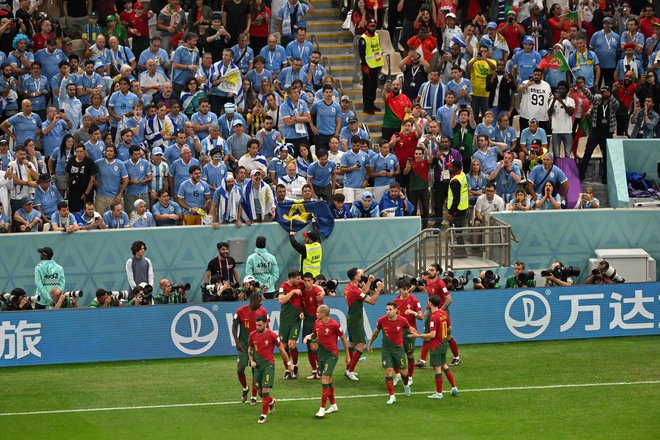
point(464, 203)
point(372, 54)
point(312, 263)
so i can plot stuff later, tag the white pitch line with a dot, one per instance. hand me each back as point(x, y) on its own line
point(300, 399)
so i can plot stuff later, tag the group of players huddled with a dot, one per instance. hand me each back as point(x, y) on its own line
point(302, 303)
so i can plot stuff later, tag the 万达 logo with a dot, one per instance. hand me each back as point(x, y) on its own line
point(183, 343)
point(536, 319)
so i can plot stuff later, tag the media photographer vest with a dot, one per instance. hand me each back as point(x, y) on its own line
point(312, 262)
point(464, 201)
point(372, 53)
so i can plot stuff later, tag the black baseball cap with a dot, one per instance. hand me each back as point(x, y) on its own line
point(46, 252)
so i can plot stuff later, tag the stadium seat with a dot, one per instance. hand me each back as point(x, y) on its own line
point(79, 48)
point(582, 145)
point(516, 124)
point(391, 68)
point(385, 41)
point(339, 191)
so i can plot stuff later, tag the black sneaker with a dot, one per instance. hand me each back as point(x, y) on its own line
point(295, 372)
point(244, 395)
point(455, 361)
point(287, 375)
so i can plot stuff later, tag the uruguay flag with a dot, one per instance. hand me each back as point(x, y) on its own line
point(293, 216)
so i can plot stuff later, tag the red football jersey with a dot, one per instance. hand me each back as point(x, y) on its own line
point(264, 344)
point(410, 303)
point(296, 300)
point(439, 288)
point(248, 318)
point(327, 334)
point(310, 303)
point(352, 294)
point(393, 330)
point(439, 322)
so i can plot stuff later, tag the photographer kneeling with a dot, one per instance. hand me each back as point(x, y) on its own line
point(103, 299)
point(520, 278)
point(558, 275)
point(487, 280)
point(171, 293)
point(604, 274)
point(142, 295)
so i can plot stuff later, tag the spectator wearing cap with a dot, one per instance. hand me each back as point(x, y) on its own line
point(525, 61)
point(534, 23)
point(50, 57)
point(458, 201)
point(346, 111)
point(90, 30)
point(371, 60)
point(311, 251)
point(365, 207)
point(604, 43)
point(256, 201)
point(237, 143)
point(531, 133)
point(46, 197)
point(26, 218)
point(603, 116)
point(138, 26)
point(226, 121)
point(47, 275)
point(628, 63)
point(159, 172)
point(495, 42)
point(511, 30)
point(347, 133)
point(115, 29)
point(141, 217)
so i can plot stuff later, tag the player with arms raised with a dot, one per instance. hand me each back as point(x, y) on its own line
point(262, 343)
point(435, 286)
point(244, 318)
point(291, 315)
point(392, 353)
point(312, 298)
point(410, 308)
point(440, 328)
point(324, 336)
point(355, 296)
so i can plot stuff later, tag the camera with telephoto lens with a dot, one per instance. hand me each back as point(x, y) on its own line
point(562, 272)
point(185, 287)
point(608, 272)
point(226, 294)
point(489, 281)
point(331, 285)
point(417, 282)
point(119, 295)
point(73, 294)
point(525, 277)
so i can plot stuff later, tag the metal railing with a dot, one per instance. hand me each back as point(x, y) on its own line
point(486, 246)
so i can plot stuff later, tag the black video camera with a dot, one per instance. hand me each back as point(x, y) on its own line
point(185, 287)
point(525, 277)
point(562, 272)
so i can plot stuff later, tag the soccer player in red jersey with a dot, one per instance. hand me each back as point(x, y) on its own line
point(440, 329)
point(355, 297)
point(392, 352)
point(435, 286)
point(244, 318)
point(291, 315)
point(262, 343)
point(324, 336)
point(410, 308)
point(312, 298)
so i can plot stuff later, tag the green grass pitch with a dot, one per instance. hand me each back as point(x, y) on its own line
point(598, 389)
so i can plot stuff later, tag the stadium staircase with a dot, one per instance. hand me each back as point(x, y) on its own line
point(336, 46)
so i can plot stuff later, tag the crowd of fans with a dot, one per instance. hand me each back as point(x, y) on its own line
point(223, 110)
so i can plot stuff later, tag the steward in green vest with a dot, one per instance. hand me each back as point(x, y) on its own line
point(311, 252)
point(458, 202)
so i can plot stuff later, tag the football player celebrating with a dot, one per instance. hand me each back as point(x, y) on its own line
point(392, 353)
point(262, 343)
point(324, 340)
point(410, 308)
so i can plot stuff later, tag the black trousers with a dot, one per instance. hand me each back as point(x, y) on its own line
point(596, 138)
point(608, 75)
point(369, 87)
point(421, 197)
point(440, 190)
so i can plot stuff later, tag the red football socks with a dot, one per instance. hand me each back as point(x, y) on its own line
point(294, 355)
point(313, 360)
point(325, 394)
point(438, 383)
point(254, 389)
point(288, 352)
point(404, 379)
point(331, 390)
point(425, 351)
point(389, 382)
point(450, 377)
point(411, 367)
point(242, 380)
point(265, 400)
point(354, 360)
point(454, 347)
